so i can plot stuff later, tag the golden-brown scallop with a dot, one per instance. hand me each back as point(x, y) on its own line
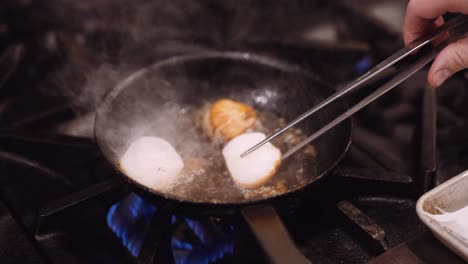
point(226, 119)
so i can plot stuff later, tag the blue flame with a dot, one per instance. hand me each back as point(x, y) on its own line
point(131, 217)
point(179, 245)
point(363, 65)
point(197, 228)
point(210, 253)
point(210, 247)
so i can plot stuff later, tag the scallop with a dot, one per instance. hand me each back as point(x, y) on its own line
point(256, 168)
point(226, 119)
point(152, 162)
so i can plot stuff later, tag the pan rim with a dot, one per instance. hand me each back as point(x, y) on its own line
point(232, 55)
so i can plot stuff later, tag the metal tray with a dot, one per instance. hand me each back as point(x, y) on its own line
point(449, 196)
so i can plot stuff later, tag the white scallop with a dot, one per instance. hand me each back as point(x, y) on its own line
point(152, 162)
point(257, 167)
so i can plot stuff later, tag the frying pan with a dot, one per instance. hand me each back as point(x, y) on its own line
point(163, 99)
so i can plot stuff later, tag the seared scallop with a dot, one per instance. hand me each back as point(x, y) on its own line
point(257, 167)
point(152, 162)
point(226, 119)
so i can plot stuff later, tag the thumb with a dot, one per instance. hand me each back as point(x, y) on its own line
point(450, 60)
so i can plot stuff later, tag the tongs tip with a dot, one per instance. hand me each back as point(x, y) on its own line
point(252, 149)
point(263, 142)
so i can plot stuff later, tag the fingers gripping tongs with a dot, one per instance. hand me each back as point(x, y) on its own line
point(419, 53)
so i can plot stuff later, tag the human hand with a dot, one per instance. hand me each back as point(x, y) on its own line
point(423, 16)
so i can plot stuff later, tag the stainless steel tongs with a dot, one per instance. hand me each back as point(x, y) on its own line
point(432, 43)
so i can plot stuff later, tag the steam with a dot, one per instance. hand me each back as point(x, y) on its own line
point(105, 40)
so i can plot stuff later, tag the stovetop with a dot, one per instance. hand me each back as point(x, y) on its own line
point(60, 202)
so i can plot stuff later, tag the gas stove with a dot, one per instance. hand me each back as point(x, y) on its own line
point(61, 202)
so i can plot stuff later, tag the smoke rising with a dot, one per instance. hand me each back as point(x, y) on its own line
point(103, 41)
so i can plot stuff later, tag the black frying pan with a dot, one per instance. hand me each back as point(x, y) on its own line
point(163, 99)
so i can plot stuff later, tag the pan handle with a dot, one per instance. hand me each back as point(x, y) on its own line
point(272, 235)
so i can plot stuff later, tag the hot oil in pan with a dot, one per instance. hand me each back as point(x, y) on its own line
point(173, 114)
point(205, 177)
point(164, 102)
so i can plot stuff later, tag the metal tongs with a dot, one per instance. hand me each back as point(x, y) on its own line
point(424, 50)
